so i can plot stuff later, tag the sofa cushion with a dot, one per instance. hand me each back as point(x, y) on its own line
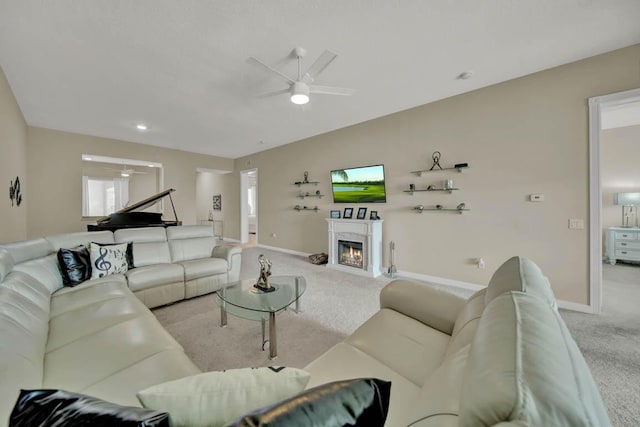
point(140, 235)
point(193, 248)
point(6, 263)
point(65, 409)
point(358, 402)
point(24, 327)
point(69, 240)
point(189, 232)
point(108, 259)
point(520, 274)
point(211, 399)
point(28, 249)
point(438, 403)
point(154, 275)
point(87, 293)
point(524, 367)
point(344, 361)
point(198, 268)
point(46, 270)
point(75, 265)
point(150, 253)
point(402, 343)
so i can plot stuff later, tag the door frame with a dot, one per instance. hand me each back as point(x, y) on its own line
point(244, 213)
point(596, 105)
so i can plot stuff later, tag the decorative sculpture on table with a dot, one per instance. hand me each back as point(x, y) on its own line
point(265, 272)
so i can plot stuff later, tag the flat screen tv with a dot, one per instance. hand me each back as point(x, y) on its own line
point(359, 185)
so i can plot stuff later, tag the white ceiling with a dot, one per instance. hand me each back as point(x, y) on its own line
point(99, 67)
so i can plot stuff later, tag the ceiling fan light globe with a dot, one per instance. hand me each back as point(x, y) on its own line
point(299, 93)
point(299, 98)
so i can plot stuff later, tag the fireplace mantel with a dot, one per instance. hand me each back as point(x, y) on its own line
point(369, 232)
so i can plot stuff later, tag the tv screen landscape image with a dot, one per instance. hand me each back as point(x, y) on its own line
point(359, 185)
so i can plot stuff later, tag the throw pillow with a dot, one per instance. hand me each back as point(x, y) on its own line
point(359, 402)
point(61, 408)
point(215, 398)
point(108, 259)
point(75, 265)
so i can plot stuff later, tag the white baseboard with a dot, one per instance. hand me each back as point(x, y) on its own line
point(286, 251)
point(440, 281)
point(568, 305)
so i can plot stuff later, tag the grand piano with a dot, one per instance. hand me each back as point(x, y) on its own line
point(130, 217)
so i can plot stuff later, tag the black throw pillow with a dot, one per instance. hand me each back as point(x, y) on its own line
point(75, 265)
point(360, 402)
point(49, 408)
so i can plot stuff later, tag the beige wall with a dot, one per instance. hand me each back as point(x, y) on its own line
point(524, 136)
point(619, 170)
point(13, 163)
point(208, 184)
point(55, 173)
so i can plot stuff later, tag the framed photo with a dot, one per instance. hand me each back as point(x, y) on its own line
point(362, 212)
point(348, 213)
point(217, 202)
point(335, 214)
point(373, 215)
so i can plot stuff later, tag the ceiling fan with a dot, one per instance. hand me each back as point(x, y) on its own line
point(125, 172)
point(300, 88)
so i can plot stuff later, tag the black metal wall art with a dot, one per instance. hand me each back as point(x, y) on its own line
point(14, 192)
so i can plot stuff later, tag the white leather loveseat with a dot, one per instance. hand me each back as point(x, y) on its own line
point(503, 358)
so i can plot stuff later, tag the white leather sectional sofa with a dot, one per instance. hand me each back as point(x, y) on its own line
point(503, 357)
point(98, 337)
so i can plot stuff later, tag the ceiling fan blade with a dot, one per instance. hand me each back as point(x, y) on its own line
point(253, 60)
point(273, 93)
point(318, 66)
point(331, 90)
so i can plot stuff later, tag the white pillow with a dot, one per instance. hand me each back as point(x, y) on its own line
point(216, 398)
point(108, 259)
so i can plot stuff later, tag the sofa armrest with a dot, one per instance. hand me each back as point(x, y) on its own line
point(434, 307)
point(233, 255)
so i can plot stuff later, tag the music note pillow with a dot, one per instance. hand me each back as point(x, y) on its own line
point(108, 259)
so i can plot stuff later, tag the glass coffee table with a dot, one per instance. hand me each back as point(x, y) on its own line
point(243, 300)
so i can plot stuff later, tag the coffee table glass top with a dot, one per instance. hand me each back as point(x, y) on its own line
point(243, 300)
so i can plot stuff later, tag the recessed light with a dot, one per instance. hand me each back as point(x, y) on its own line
point(464, 75)
point(142, 127)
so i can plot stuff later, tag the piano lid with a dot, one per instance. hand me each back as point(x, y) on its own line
point(149, 201)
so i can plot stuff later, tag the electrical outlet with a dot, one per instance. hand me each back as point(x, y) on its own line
point(536, 197)
point(274, 235)
point(481, 264)
point(576, 224)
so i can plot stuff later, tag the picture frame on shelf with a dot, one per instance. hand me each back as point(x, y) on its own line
point(373, 215)
point(362, 213)
point(348, 213)
point(335, 214)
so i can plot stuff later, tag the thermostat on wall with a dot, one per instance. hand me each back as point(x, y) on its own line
point(536, 197)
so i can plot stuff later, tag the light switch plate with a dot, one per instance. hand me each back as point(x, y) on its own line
point(576, 224)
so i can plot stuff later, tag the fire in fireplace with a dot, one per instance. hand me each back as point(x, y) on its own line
point(350, 253)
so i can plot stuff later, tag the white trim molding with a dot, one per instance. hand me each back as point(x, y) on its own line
point(286, 251)
point(596, 104)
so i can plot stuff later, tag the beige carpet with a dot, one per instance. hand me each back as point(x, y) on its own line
point(196, 326)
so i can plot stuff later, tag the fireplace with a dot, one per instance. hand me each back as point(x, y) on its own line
point(355, 246)
point(350, 253)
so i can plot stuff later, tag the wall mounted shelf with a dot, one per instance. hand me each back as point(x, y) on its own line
point(304, 208)
point(303, 195)
point(420, 209)
point(459, 169)
point(446, 190)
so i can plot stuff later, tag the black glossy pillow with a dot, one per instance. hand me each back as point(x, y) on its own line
point(75, 265)
point(60, 408)
point(360, 402)
point(129, 251)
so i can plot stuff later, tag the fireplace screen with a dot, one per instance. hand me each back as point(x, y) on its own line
point(350, 253)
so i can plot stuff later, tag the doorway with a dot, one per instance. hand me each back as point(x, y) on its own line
point(598, 107)
point(249, 207)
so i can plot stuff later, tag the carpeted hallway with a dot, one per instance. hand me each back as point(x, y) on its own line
point(336, 303)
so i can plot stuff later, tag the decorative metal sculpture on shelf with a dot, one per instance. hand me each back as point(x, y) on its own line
point(14, 192)
point(436, 160)
point(265, 272)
